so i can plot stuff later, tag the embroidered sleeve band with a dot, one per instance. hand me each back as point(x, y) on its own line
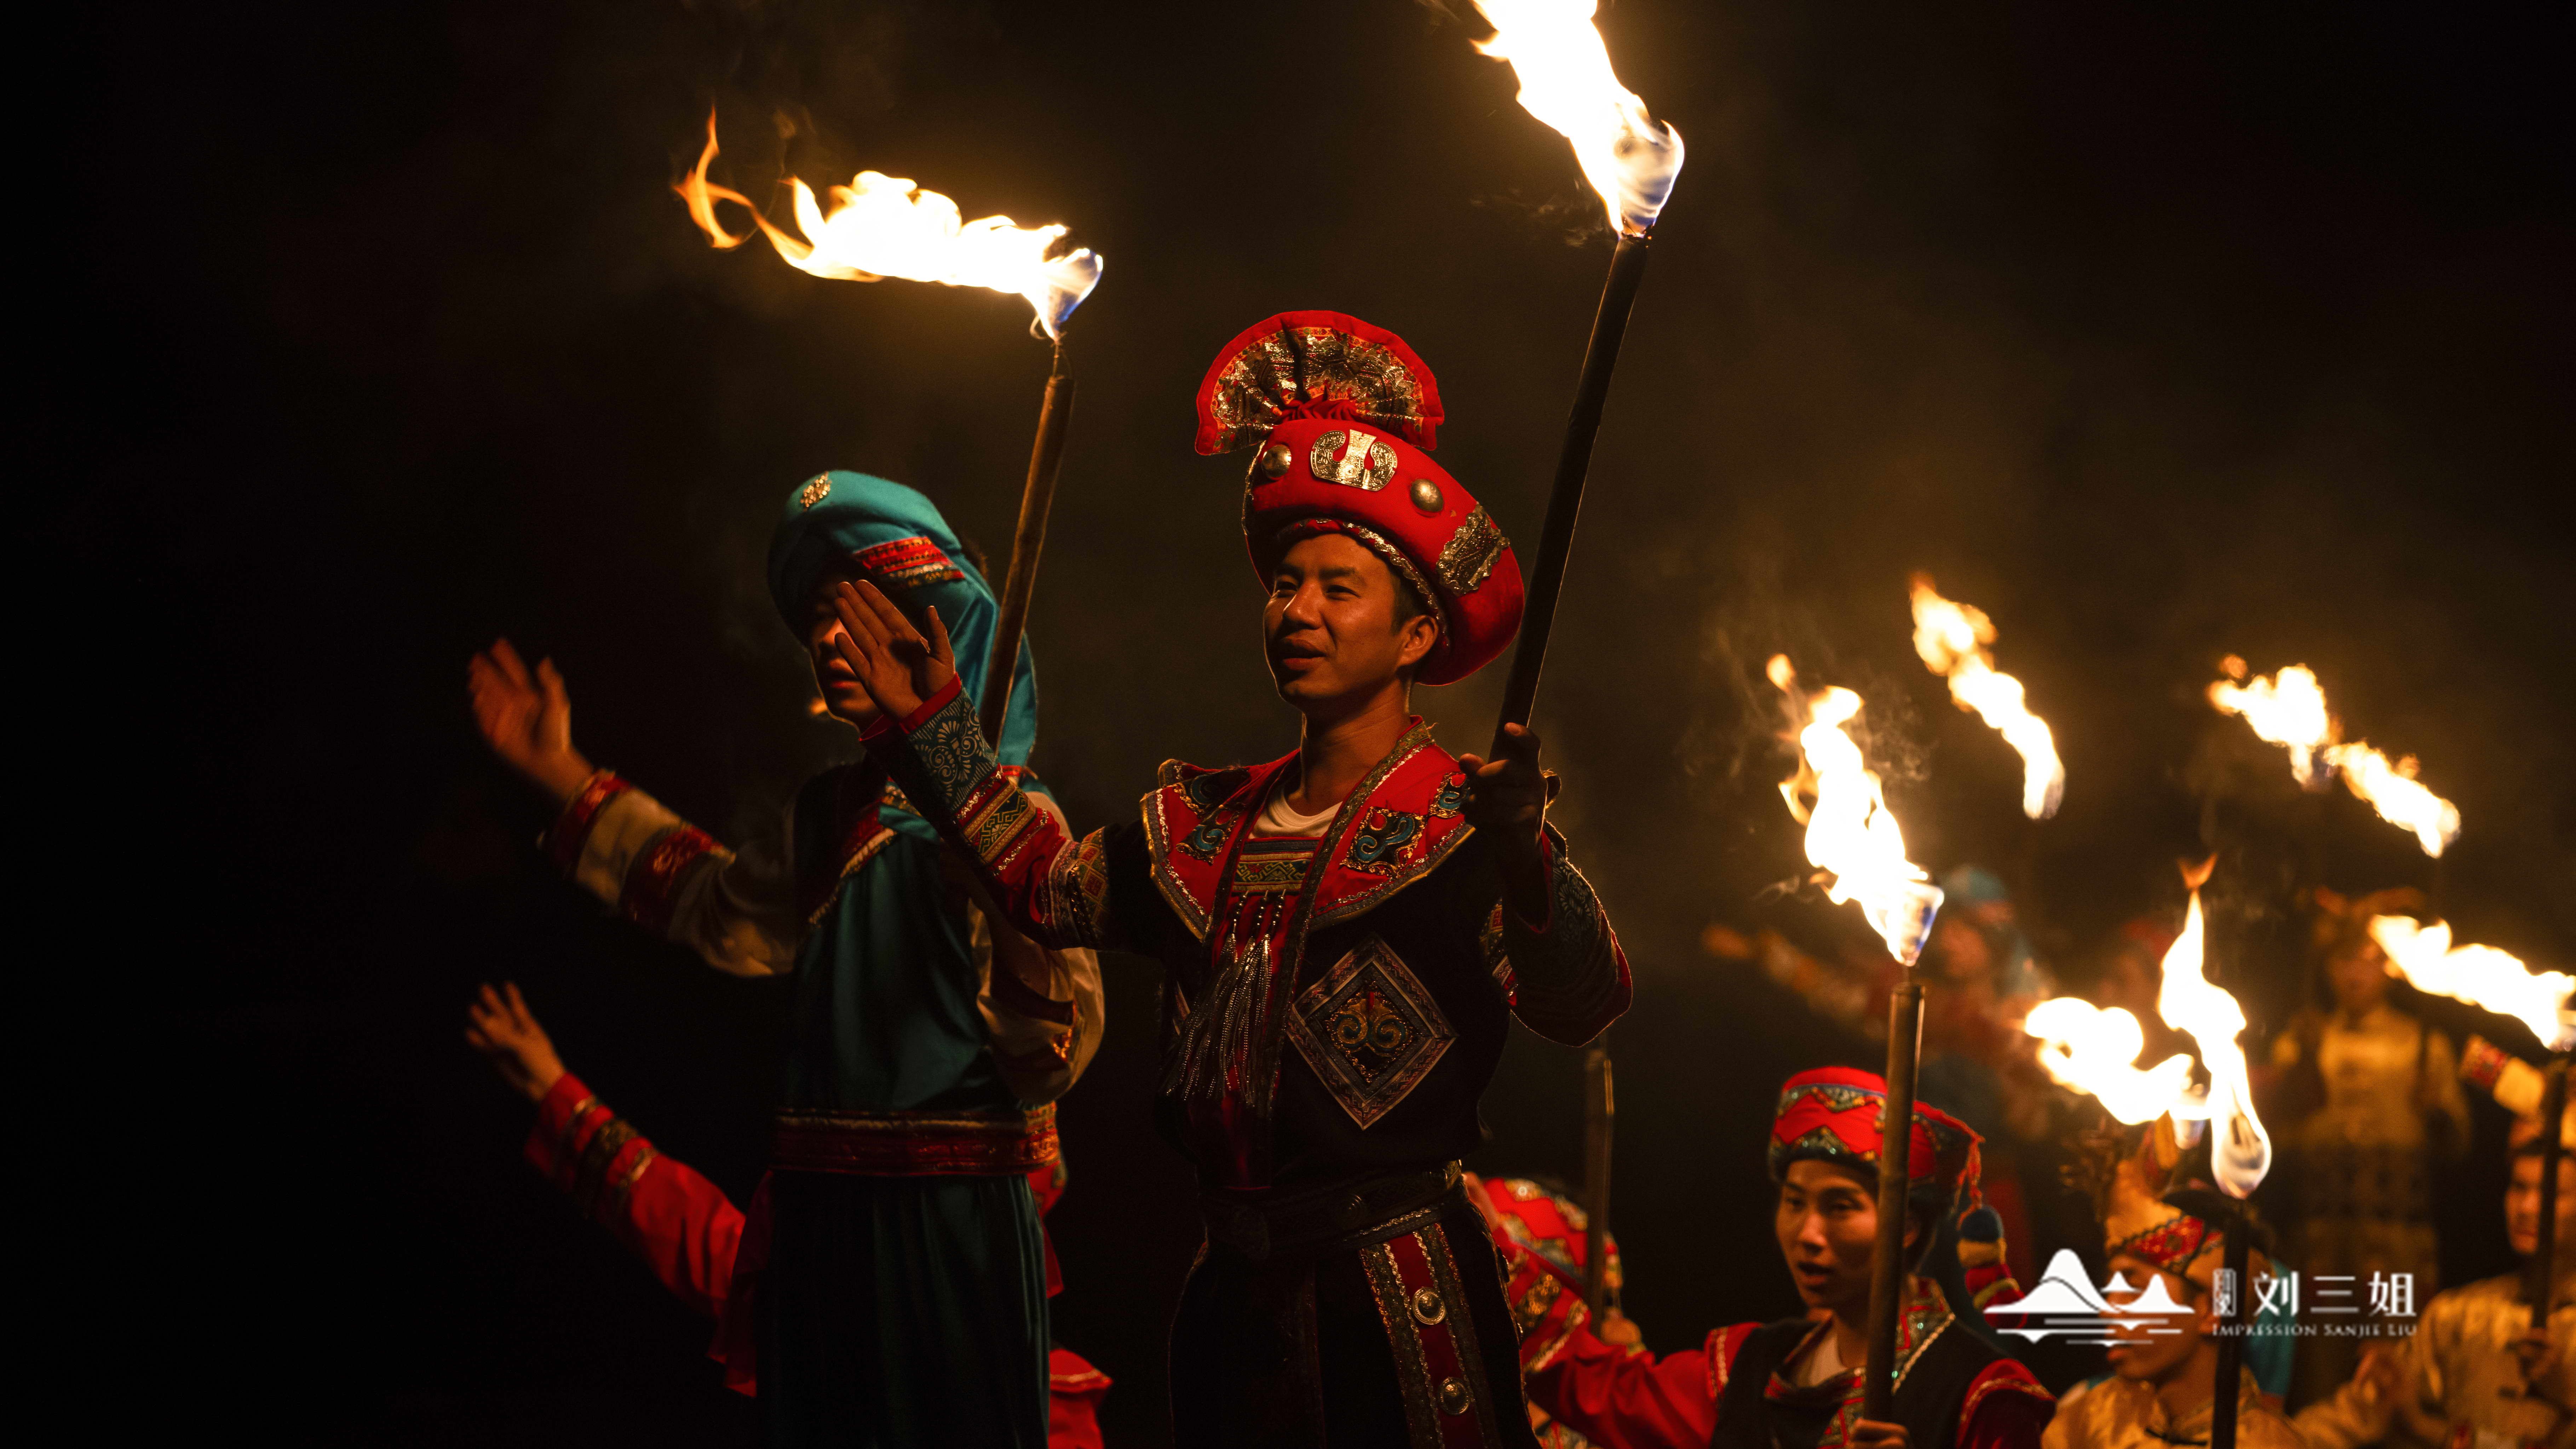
point(1570, 980)
point(1053, 887)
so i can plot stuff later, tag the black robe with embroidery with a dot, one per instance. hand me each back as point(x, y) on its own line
point(1333, 1010)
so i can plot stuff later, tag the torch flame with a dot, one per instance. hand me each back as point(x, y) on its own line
point(883, 226)
point(2290, 709)
point(2479, 975)
point(1564, 70)
point(2091, 1050)
point(1850, 832)
point(2241, 1154)
point(1952, 639)
point(2392, 791)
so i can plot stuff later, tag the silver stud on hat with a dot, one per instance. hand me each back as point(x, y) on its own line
point(1426, 495)
point(1274, 460)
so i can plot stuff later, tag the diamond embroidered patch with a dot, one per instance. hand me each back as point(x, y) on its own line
point(1369, 1030)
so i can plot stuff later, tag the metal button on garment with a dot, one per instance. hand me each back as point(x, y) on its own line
point(1426, 495)
point(1274, 460)
point(1453, 1396)
point(1427, 1307)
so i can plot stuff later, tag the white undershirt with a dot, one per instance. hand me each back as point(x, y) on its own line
point(1820, 1364)
point(1278, 819)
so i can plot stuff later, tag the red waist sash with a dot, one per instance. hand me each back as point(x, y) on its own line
point(913, 1144)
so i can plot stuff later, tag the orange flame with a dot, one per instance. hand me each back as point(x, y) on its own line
point(2290, 709)
point(1952, 640)
point(2482, 976)
point(2242, 1153)
point(1850, 832)
point(2095, 1051)
point(882, 226)
point(1556, 53)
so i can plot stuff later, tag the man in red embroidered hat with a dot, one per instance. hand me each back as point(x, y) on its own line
point(1796, 1384)
point(1345, 930)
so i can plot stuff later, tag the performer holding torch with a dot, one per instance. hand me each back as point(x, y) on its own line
point(903, 1298)
point(1796, 1384)
point(1345, 930)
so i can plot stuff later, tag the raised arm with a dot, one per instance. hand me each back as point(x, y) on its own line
point(1050, 886)
point(621, 844)
point(683, 1226)
point(1548, 942)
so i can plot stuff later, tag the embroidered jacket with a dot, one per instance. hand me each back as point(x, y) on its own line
point(1953, 1391)
point(1333, 1005)
point(899, 1005)
point(2118, 1413)
point(693, 1238)
point(2462, 1384)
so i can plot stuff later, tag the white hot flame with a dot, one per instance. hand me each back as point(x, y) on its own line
point(2392, 790)
point(1952, 640)
point(1851, 834)
point(2479, 975)
point(2096, 1051)
point(2290, 709)
point(882, 226)
point(1564, 70)
point(2241, 1152)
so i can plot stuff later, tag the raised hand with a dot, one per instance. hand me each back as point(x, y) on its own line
point(502, 1029)
point(1508, 794)
point(1507, 797)
point(895, 664)
point(526, 719)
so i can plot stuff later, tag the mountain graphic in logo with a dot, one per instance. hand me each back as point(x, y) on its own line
point(2066, 1304)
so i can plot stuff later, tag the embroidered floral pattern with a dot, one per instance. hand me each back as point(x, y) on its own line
point(949, 756)
point(907, 563)
point(1449, 798)
point(1381, 844)
point(1369, 1030)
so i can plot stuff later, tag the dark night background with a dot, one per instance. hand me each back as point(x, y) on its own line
point(2159, 332)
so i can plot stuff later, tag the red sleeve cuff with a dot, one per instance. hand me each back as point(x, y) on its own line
point(919, 717)
point(572, 828)
point(549, 1137)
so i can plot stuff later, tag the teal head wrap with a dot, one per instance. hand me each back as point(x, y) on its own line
point(909, 551)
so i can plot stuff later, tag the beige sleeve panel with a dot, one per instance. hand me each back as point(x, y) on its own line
point(732, 909)
point(1042, 1040)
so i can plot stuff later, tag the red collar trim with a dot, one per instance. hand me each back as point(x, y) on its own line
point(1408, 825)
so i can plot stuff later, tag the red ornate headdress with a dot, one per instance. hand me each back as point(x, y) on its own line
point(1344, 414)
point(1837, 1114)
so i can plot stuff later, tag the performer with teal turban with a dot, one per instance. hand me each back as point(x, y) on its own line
point(892, 1281)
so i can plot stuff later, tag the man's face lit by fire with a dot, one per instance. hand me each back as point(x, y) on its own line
point(2522, 1203)
point(2152, 1351)
point(1827, 1223)
point(843, 696)
point(1329, 628)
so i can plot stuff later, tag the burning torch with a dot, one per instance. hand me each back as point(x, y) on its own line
point(1855, 843)
point(2497, 981)
point(2095, 1051)
point(1630, 159)
point(882, 226)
